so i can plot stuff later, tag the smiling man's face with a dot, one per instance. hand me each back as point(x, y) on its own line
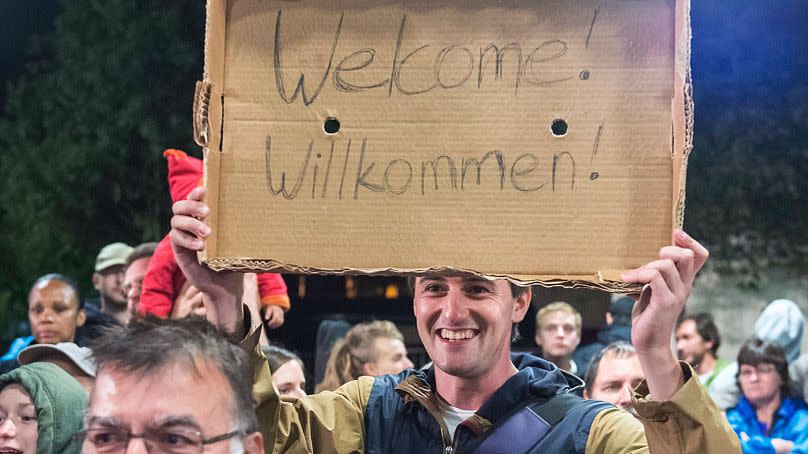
point(465, 323)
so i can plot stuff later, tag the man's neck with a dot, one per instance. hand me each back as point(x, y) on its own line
point(111, 309)
point(472, 393)
point(706, 365)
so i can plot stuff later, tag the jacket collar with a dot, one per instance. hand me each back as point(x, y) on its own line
point(536, 378)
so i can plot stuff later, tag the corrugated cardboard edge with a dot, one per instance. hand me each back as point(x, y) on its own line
point(682, 110)
point(606, 280)
point(209, 113)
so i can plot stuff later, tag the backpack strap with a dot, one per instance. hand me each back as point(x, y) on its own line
point(526, 426)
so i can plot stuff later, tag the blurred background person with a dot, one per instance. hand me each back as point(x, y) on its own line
point(55, 311)
point(110, 267)
point(136, 265)
point(41, 408)
point(558, 333)
point(369, 348)
point(288, 373)
point(767, 418)
point(697, 342)
point(618, 328)
point(780, 323)
point(613, 374)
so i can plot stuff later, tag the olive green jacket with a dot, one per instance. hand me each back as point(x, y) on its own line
point(337, 421)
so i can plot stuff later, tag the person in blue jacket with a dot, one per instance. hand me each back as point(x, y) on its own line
point(767, 418)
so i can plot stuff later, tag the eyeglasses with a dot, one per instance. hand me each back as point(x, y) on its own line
point(746, 371)
point(172, 441)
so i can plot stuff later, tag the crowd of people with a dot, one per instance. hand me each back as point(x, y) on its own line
point(172, 357)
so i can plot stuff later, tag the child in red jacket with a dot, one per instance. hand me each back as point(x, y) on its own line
point(164, 283)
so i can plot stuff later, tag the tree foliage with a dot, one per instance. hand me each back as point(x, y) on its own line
point(748, 174)
point(82, 135)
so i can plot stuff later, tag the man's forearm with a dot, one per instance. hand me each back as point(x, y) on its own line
point(662, 373)
point(225, 312)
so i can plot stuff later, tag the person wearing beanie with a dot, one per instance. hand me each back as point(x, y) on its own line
point(780, 323)
point(41, 408)
point(164, 283)
point(617, 329)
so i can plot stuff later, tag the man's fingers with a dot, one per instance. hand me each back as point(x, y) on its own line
point(700, 253)
point(657, 275)
point(191, 226)
point(192, 208)
point(182, 242)
point(659, 272)
point(197, 194)
point(684, 260)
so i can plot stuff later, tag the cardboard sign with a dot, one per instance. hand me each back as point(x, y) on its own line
point(543, 141)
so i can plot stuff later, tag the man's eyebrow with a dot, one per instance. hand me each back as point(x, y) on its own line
point(105, 421)
point(476, 279)
point(432, 277)
point(178, 420)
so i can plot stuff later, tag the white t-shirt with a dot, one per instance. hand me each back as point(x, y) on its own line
point(453, 416)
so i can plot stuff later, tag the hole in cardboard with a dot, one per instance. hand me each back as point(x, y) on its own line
point(559, 127)
point(331, 125)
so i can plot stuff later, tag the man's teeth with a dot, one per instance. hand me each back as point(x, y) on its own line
point(456, 335)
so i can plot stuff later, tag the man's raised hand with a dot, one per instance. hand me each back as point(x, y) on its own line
point(668, 283)
point(222, 290)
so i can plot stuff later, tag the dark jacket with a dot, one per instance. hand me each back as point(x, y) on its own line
point(390, 414)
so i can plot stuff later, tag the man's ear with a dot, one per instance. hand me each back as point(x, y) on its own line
point(521, 306)
point(254, 443)
point(81, 318)
point(97, 281)
point(369, 368)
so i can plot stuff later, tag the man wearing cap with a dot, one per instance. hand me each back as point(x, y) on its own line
point(76, 361)
point(54, 313)
point(618, 328)
point(110, 266)
point(110, 306)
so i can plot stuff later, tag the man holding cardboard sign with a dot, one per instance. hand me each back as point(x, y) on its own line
point(496, 401)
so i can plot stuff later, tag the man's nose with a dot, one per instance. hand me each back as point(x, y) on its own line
point(624, 401)
point(137, 446)
point(453, 306)
point(407, 363)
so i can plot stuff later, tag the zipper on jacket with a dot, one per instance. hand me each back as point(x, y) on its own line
point(448, 450)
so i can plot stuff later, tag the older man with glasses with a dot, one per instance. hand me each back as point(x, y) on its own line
point(170, 386)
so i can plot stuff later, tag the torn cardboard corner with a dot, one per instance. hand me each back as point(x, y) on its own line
point(545, 142)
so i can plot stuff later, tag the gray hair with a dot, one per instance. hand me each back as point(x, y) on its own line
point(141, 348)
point(618, 349)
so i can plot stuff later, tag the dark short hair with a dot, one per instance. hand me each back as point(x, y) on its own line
point(278, 356)
point(516, 292)
point(705, 326)
point(150, 344)
point(618, 349)
point(141, 251)
point(757, 351)
point(61, 278)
